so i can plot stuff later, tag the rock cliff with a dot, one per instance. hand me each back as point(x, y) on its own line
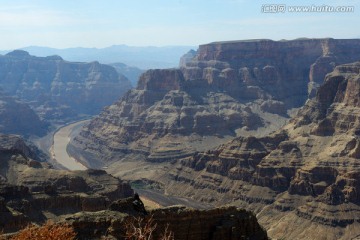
point(58, 89)
point(227, 89)
point(283, 69)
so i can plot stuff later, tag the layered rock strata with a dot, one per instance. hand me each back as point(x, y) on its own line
point(227, 89)
point(58, 89)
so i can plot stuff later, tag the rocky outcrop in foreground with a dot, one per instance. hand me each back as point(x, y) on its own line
point(185, 223)
point(227, 89)
point(58, 89)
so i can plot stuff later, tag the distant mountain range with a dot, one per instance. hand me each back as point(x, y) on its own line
point(140, 57)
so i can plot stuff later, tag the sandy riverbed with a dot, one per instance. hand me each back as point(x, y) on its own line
point(61, 140)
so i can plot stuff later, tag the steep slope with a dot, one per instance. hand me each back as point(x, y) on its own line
point(228, 89)
point(17, 117)
point(57, 89)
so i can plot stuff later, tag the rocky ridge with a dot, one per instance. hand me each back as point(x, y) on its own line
point(58, 89)
point(227, 89)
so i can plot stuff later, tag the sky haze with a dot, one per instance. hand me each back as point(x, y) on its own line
point(93, 23)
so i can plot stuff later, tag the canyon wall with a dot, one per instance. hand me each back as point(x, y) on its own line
point(227, 89)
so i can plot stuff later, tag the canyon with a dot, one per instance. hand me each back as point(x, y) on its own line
point(39, 95)
point(223, 129)
point(264, 131)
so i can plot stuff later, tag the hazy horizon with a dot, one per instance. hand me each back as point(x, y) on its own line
point(158, 23)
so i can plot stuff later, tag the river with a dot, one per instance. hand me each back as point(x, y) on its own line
point(58, 151)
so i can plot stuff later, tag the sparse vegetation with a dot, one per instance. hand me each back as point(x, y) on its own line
point(48, 231)
point(138, 228)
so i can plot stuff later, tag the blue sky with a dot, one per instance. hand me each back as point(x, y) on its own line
point(102, 23)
